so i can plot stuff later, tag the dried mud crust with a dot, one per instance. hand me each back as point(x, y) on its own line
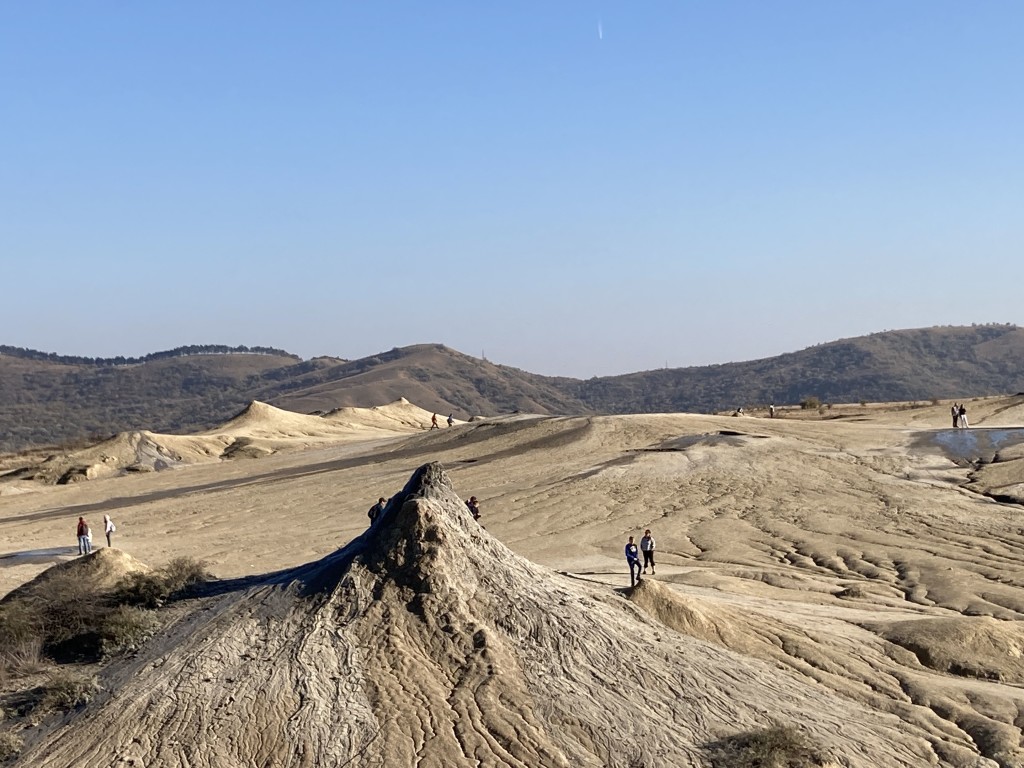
point(427, 642)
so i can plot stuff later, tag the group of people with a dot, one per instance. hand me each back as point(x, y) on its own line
point(959, 413)
point(633, 557)
point(84, 533)
point(375, 511)
point(433, 421)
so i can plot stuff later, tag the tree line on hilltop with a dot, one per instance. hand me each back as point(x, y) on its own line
point(192, 349)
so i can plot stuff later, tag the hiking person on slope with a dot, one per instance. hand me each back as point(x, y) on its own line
point(376, 509)
point(647, 547)
point(633, 558)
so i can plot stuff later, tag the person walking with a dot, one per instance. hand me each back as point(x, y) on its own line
point(376, 510)
point(451, 420)
point(647, 547)
point(633, 559)
point(433, 422)
point(84, 537)
point(108, 528)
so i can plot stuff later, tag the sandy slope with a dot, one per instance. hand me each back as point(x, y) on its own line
point(836, 558)
point(428, 642)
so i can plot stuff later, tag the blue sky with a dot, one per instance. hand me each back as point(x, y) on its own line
point(576, 188)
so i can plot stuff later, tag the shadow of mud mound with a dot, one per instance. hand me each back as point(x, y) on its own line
point(426, 641)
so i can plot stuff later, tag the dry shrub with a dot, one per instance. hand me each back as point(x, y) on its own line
point(22, 658)
point(778, 746)
point(125, 628)
point(183, 573)
point(10, 746)
point(151, 590)
point(66, 689)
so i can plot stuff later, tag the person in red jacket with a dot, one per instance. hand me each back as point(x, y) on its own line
point(84, 537)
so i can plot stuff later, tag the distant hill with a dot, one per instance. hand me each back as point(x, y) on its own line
point(918, 364)
point(48, 399)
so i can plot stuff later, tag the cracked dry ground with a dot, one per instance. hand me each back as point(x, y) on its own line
point(827, 575)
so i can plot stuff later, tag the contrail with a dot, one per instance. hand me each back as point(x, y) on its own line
point(600, 31)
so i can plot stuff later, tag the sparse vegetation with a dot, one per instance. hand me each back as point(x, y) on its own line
point(10, 746)
point(124, 628)
point(151, 590)
point(777, 746)
point(68, 622)
point(66, 689)
point(810, 403)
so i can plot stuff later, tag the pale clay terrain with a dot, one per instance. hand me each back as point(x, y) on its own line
point(839, 575)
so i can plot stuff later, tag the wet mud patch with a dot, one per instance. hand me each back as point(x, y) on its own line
point(726, 437)
point(971, 447)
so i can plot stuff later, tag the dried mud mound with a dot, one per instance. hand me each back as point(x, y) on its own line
point(427, 642)
point(92, 574)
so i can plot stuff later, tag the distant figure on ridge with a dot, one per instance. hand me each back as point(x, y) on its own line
point(433, 422)
point(633, 558)
point(954, 410)
point(963, 417)
point(771, 411)
point(376, 509)
point(84, 537)
point(451, 421)
point(647, 547)
point(474, 507)
point(108, 528)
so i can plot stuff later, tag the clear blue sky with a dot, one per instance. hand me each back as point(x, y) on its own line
point(579, 188)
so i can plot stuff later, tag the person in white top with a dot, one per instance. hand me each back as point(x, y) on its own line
point(108, 528)
point(647, 547)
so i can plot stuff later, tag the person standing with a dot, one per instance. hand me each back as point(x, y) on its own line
point(451, 420)
point(108, 528)
point(84, 536)
point(376, 510)
point(963, 416)
point(647, 547)
point(955, 411)
point(633, 559)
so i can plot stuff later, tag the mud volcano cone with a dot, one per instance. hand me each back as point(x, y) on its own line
point(428, 642)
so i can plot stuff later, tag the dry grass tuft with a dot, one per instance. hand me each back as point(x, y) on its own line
point(778, 746)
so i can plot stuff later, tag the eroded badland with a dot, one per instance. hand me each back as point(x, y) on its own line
point(860, 578)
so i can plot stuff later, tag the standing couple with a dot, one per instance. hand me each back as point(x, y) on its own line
point(633, 556)
point(84, 533)
point(959, 413)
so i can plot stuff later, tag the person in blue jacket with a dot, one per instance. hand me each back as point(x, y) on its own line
point(633, 558)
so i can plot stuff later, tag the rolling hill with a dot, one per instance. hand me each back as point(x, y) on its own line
point(46, 399)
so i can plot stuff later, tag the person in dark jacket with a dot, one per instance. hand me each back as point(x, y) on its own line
point(84, 537)
point(633, 559)
point(376, 509)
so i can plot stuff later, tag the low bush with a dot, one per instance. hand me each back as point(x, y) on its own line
point(124, 628)
point(151, 590)
point(810, 403)
point(10, 746)
point(63, 690)
point(778, 746)
point(25, 657)
point(66, 689)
